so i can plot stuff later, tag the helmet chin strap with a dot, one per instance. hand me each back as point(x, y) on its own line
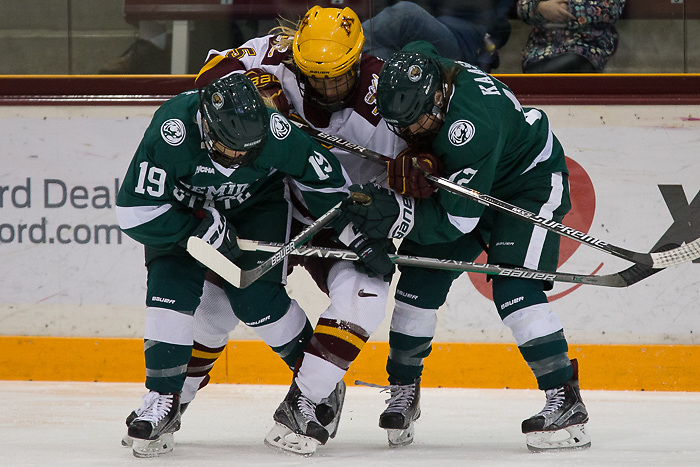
point(437, 112)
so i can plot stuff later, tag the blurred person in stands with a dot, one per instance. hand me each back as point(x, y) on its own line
point(468, 30)
point(569, 36)
point(150, 52)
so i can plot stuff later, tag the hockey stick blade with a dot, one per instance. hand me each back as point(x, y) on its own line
point(241, 278)
point(625, 278)
point(215, 261)
point(658, 260)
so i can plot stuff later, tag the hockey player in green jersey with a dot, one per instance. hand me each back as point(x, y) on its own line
point(213, 164)
point(474, 126)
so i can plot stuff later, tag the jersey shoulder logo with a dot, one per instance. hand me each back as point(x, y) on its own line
point(279, 126)
point(173, 131)
point(461, 132)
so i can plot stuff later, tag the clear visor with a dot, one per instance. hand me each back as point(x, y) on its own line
point(220, 153)
point(423, 130)
point(330, 94)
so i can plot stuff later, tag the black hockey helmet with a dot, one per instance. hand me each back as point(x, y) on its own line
point(406, 89)
point(235, 121)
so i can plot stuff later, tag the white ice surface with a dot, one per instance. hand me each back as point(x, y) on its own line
point(81, 424)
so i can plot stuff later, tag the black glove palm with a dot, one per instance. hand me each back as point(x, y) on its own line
point(373, 253)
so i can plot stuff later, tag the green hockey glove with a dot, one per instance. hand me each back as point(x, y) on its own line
point(373, 253)
point(379, 212)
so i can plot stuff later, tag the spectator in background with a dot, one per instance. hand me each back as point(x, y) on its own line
point(569, 36)
point(469, 30)
point(150, 52)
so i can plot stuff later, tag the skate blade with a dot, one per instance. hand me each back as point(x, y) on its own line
point(332, 427)
point(398, 438)
point(153, 447)
point(281, 437)
point(571, 437)
point(127, 441)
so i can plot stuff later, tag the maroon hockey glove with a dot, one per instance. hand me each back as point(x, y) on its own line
point(269, 87)
point(407, 172)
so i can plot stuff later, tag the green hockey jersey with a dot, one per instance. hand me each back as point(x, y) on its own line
point(489, 143)
point(172, 175)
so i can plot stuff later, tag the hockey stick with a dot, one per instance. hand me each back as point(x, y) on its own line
point(625, 278)
point(212, 259)
point(659, 260)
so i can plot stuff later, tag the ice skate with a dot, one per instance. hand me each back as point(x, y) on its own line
point(329, 409)
point(297, 429)
point(152, 429)
point(401, 413)
point(560, 425)
point(128, 441)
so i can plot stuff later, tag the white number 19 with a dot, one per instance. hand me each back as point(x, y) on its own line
point(156, 180)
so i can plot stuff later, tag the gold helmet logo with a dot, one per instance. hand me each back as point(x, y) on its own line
point(415, 73)
point(217, 100)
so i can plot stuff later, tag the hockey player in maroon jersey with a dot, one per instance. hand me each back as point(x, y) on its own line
point(318, 72)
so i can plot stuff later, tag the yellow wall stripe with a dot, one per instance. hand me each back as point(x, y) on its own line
point(469, 365)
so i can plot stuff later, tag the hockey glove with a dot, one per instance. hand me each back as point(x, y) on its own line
point(378, 212)
point(374, 260)
point(218, 233)
point(270, 88)
point(407, 172)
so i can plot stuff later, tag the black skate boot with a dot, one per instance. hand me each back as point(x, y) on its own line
point(329, 409)
point(403, 410)
point(297, 429)
point(560, 425)
point(128, 441)
point(152, 430)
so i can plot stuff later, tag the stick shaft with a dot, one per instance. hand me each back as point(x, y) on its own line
point(658, 260)
point(624, 278)
point(248, 277)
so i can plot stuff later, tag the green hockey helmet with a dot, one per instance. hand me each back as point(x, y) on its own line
point(235, 121)
point(406, 89)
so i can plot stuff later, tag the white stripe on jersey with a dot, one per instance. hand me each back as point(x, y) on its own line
point(546, 152)
point(463, 224)
point(534, 249)
point(133, 216)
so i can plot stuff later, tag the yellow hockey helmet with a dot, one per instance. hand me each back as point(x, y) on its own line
point(328, 42)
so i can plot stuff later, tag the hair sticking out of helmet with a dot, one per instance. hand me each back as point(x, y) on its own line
point(234, 119)
point(406, 92)
point(326, 50)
